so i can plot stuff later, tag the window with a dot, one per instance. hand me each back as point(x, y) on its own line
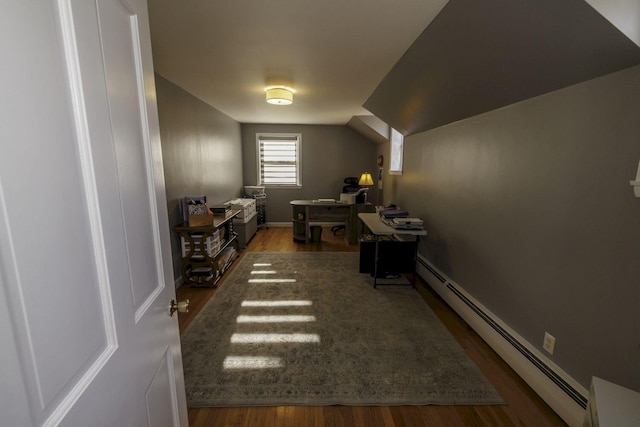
point(279, 159)
point(396, 152)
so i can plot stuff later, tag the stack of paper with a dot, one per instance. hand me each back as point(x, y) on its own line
point(406, 223)
point(393, 213)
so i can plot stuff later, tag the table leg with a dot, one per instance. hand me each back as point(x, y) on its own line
point(307, 228)
point(375, 264)
point(415, 262)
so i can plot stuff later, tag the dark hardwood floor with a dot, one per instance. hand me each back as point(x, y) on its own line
point(523, 408)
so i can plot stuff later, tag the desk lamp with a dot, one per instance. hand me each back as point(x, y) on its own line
point(365, 180)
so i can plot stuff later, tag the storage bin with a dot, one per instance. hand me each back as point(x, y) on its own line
point(247, 207)
point(246, 228)
point(254, 190)
point(211, 244)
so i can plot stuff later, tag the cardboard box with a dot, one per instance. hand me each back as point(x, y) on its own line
point(200, 220)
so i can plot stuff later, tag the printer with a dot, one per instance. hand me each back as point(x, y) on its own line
point(352, 198)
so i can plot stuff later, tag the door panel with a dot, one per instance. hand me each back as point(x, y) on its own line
point(39, 266)
point(121, 48)
point(159, 393)
point(45, 209)
point(85, 264)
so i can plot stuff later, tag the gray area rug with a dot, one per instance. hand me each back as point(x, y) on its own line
point(308, 329)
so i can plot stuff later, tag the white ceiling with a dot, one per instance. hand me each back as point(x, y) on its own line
point(333, 52)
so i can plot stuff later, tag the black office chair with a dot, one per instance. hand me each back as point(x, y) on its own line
point(351, 186)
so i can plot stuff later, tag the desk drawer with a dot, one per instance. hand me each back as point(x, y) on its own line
point(328, 213)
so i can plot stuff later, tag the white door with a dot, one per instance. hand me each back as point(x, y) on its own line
point(85, 267)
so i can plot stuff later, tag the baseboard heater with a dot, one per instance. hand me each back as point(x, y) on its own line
point(546, 370)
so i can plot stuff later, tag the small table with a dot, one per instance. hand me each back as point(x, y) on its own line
point(378, 229)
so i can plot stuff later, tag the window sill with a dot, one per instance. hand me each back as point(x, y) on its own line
point(283, 187)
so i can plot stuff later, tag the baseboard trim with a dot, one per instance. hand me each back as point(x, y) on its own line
point(557, 388)
point(278, 224)
point(177, 282)
point(289, 224)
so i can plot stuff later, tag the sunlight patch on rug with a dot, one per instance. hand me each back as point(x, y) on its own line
point(281, 338)
point(275, 303)
point(271, 281)
point(275, 319)
point(255, 362)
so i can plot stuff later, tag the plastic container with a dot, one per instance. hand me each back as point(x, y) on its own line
point(247, 208)
point(254, 190)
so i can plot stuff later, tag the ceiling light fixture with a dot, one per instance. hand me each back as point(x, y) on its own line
point(279, 95)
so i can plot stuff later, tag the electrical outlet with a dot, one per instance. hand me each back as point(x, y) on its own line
point(549, 342)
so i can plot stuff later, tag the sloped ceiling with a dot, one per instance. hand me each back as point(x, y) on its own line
point(371, 127)
point(477, 56)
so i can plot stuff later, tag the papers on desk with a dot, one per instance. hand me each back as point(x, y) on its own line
point(325, 201)
point(407, 221)
point(393, 213)
point(404, 223)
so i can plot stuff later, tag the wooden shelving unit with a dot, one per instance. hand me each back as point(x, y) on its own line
point(204, 249)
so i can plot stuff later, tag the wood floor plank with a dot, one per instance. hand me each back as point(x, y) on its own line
point(411, 416)
point(494, 415)
point(196, 416)
point(367, 416)
point(523, 408)
point(235, 417)
point(342, 416)
point(255, 416)
point(387, 417)
point(270, 413)
point(441, 416)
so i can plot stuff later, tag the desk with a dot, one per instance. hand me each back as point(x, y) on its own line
point(378, 229)
point(306, 213)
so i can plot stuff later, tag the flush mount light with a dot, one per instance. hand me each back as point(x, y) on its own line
point(279, 95)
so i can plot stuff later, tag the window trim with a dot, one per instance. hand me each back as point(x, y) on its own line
point(275, 136)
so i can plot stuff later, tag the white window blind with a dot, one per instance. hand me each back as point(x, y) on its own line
point(279, 159)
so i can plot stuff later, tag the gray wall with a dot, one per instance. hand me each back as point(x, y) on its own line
point(201, 150)
point(329, 154)
point(529, 208)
